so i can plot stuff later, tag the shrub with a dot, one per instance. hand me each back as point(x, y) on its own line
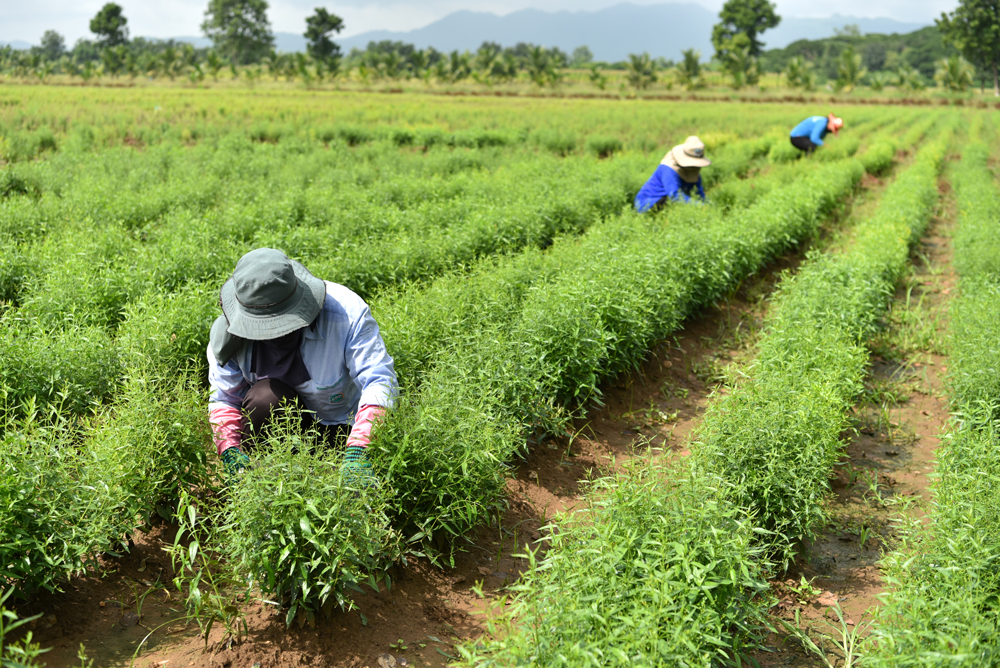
point(305, 535)
point(603, 146)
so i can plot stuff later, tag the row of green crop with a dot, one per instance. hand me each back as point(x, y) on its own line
point(942, 603)
point(161, 332)
point(31, 117)
point(667, 568)
point(156, 407)
point(627, 283)
point(89, 292)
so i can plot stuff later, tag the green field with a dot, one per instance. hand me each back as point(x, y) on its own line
point(495, 241)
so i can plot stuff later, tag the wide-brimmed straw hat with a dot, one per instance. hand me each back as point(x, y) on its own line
point(269, 296)
point(691, 153)
point(835, 123)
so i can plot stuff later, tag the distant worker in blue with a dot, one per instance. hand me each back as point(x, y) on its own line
point(808, 135)
point(677, 175)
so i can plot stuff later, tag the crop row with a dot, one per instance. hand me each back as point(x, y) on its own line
point(631, 282)
point(503, 372)
point(941, 608)
point(155, 408)
point(87, 286)
point(89, 117)
point(665, 567)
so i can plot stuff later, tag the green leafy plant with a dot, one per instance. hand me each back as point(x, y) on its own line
point(301, 532)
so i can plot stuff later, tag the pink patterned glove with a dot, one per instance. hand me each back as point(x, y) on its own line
point(361, 433)
point(227, 424)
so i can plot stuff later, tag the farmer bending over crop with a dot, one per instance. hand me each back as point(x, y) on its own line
point(808, 135)
point(678, 174)
point(286, 335)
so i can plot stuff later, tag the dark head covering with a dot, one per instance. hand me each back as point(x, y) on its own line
point(280, 359)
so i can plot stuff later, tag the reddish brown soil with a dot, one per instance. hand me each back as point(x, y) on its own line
point(889, 454)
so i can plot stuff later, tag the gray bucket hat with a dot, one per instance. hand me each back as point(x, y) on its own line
point(269, 296)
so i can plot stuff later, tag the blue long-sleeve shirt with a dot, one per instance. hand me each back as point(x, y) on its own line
point(345, 355)
point(664, 183)
point(813, 127)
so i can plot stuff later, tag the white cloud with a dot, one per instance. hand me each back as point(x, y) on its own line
point(171, 18)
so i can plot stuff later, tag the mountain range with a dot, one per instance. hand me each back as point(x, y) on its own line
point(612, 33)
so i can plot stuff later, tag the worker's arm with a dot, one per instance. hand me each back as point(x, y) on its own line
point(229, 387)
point(372, 369)
point(818, 130)
point(701, 189)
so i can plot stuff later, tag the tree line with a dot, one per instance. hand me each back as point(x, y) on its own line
point(962, 46)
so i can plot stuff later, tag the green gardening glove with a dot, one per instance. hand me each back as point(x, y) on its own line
point(234, 462)
point(357, 470)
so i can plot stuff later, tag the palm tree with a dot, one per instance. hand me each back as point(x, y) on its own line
point(272, 61)
point(392, 65)
point(459, 66)
point(955, 74)
point(849, 70)
point(909, 79)
point(799, 74)
point(169, 63)
point(688, 71)
point(879, 80)
point(418, 62)
point(597, 77)
point(640, 71)
point(214, 63)
point(742, 67)
point(538, 65)
point(302, 68)
point(486, 58)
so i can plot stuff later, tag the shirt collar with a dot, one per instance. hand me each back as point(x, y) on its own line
point(314, 331)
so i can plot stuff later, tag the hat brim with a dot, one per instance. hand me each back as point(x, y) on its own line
point(301, 309)
point(685, 160)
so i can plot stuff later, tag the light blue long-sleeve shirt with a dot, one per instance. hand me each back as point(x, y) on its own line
point(345, 356)
point(665, 182)
point(813, 127)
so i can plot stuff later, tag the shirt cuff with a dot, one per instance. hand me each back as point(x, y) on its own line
point(361, 432)
point(227, 426)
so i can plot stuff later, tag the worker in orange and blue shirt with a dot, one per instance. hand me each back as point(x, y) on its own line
point(808, 135)
point(676, 178)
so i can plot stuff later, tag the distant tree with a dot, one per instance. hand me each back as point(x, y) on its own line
point(799, 73)
point(110, 26)
point(582, 56)
point(739, 63)
point(319, 26)
point(239, 28)
point(974, 28)
point(53, 45)
point(849, 30)
point(538, 65)
point(849, 70)
point(873, 56)
point(640, 71)
point(749, 17)
point(908, 78)
point(597, 77)
point(879, 80)
point(689, 69)
point(486, 60)
point(955, 73)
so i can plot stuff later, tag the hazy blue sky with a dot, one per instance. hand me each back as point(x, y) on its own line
point(28, 19)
